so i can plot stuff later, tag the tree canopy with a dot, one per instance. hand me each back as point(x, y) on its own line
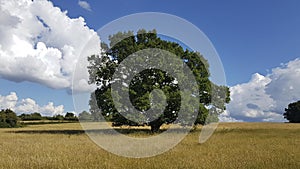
point(32, 116)
point(70, 116)
point(85, 116)
point(142, 85)
point(292, 113)
point(8, 118)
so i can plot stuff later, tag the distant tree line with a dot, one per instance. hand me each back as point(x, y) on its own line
point(37, 116)
point(86, 116)
point(9, 119)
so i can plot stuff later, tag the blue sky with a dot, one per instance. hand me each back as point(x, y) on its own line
point(250, 37)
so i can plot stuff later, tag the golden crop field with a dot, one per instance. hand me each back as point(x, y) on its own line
point(233, 145)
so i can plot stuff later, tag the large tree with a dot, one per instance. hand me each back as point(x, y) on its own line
point(292, 113)
point(124, 44)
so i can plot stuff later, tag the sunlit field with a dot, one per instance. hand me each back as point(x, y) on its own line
point(233, 145)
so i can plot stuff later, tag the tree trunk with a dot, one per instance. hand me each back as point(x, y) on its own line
point(155, 125)
point(154, 128)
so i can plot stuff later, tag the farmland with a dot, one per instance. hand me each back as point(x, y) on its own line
point(233, 145)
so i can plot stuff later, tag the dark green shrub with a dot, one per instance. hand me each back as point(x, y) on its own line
point(8, 118)
point(70, 116)
point(85, 116)
point(30, 117)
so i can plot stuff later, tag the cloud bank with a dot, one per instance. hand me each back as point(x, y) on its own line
point(264, 98)
point(28, 105)
point(40, 43)
point(85, 5)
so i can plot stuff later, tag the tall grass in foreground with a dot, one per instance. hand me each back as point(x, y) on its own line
point(233, 145)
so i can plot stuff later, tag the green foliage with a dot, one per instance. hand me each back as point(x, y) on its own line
point(58, 117)
point(30, 117)
point(8, 119)
point(292, 113)
point(85, 116)
point(70, 116)
point(102, 69)
point(94, 109)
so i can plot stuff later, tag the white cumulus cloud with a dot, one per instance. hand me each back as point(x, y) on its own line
point(264, 98)
point(28, 105)
point(85, 5)
point(225, 117)
point(40, 43)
